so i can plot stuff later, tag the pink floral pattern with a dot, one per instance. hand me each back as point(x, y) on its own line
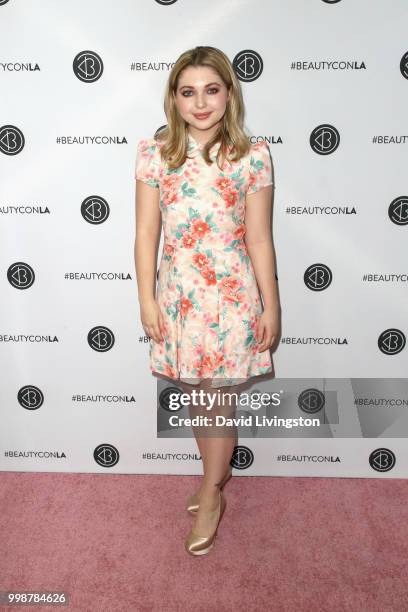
point(207, 290)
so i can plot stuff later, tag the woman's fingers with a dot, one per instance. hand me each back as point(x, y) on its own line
point(154, 332)
point(265, 338)
point(161, 324)
point(152, 321)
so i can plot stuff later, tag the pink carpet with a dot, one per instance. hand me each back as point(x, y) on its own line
point(116, 543)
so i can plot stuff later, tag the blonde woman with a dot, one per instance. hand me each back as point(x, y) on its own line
point(212, 189)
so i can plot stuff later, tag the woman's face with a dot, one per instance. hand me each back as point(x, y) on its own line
point(201, 91)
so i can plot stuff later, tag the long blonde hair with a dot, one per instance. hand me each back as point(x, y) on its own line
point(230, 135)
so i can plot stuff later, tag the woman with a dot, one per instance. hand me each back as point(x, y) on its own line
point(203, 178)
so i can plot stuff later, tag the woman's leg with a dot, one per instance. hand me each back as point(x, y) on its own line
point(201, 442)
point(216, 444)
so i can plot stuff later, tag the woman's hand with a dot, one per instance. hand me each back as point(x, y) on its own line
point(152, 320)
point(268, 328)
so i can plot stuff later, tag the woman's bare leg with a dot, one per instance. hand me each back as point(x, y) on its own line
point(201, 442)
point(216, 444)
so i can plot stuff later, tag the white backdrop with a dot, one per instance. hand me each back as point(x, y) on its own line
point(326, 85)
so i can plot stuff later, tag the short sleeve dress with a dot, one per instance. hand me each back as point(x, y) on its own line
point(206, 289)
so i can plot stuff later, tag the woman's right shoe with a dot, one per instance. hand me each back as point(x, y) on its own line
point(193, 502)
point(201, 545)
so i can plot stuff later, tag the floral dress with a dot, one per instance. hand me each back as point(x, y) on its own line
point(207, 290)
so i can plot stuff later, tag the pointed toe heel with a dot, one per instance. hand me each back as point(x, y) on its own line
point(201, 545)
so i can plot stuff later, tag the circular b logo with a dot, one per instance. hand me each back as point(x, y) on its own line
point(30, 397)
point(398, 211)
point(106, 455)
point(311, 401)
point(382, 460)
point(95, 209)
point(88, 66)
point(404, 65)
point(11, 140)
point(101, 339)
point(248, 65)
point(317, 277)
point(165, 399)
point(391, 341)
point(324, 139)
point(20, 275)
point(242, 458)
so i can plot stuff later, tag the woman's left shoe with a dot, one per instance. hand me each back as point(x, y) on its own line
point(201, 545)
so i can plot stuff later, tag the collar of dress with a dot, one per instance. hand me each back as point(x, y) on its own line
point(195, 148)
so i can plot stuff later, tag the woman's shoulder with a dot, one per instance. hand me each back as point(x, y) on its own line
point(259, 152)
point(148, 143)
point(259, 146)
point(258, 149)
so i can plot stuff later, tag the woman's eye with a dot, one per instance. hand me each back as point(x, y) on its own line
point(212, 89)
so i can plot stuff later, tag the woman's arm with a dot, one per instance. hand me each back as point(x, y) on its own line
point(259, 243)
point(147, 238)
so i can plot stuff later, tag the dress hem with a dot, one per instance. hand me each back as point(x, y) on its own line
point(225, 382)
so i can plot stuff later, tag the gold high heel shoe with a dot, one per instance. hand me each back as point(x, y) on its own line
point(201, 545)
point(193, 503)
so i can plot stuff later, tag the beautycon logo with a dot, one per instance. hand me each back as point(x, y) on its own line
point(404, 65)
point(106, 455)
point(30, 397)
point(95, 209)
point(382, 460)
point(101, 339)
point(11, 140)
point(398, 210)
point(392, 341)
point(311, 401)
point(20, 275)
point(324, 139)
point(88, 66)
point(168, 399)
point(242, 457)
point(317, 277)
point(248, 65)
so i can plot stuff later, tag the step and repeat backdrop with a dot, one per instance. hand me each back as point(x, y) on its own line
point(325, 84)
